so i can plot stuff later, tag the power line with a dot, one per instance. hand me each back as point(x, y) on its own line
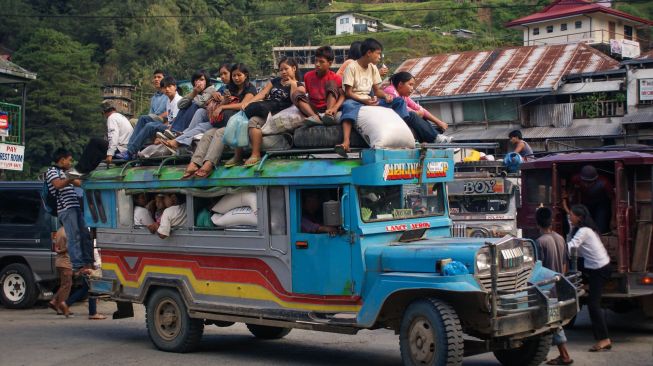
point(269, 14)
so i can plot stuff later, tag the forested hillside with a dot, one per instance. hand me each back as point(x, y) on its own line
point(77, 45)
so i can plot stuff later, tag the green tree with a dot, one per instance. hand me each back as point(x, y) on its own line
point(62, 104)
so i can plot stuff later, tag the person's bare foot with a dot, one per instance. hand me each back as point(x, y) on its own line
point(190, 170)
point(171, 143)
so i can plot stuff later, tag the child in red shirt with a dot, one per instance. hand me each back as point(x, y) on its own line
point(324, 88)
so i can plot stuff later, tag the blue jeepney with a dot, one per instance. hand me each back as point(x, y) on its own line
point(381, 256)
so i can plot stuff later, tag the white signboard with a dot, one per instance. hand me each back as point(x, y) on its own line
point(12, 156)
point(645, 89)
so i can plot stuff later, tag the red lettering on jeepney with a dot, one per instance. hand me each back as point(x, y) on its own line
point(420, 225)
point(401, 227)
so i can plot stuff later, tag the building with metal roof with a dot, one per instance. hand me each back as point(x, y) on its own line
point(13, 116)
point(549, 92)
point(565, 21)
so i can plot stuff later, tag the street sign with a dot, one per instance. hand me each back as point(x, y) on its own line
point(12, 156)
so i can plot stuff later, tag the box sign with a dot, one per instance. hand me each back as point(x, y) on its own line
point(645, 89)
point(11, 157)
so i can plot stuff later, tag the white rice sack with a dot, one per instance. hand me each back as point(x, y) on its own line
point(154, 151)
point(276, 142)
point(383, 128)
point(284, 121)
point(236, 217)
point(233, 200)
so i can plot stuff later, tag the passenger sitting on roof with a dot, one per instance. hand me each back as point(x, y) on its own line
point(173, 215)
point(201, 121)
point(276, 95)
point(402, 85)
point(209, 150)
point(312, 214)
point(324, 88)
point(361, 78)
point(143, 132)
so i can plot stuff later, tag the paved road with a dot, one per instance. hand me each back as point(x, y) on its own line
point(38, 337)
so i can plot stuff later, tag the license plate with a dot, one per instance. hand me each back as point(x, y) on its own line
point(554, 314)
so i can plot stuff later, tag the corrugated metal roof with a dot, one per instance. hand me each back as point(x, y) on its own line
point(566, 8)
point(515, 70)
point(533, 133)
point(644, 115)
point(9, 68)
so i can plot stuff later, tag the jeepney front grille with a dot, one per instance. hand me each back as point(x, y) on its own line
point(508, 280)
point(458, 230)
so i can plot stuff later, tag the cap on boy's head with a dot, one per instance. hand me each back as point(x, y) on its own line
point(107, 106)
point(543, 217)
point(168, 80)
point(588, 173)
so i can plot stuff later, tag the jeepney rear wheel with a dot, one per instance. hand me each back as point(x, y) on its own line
point(169, 326)
point(267, 332)
point(430, 334)
point(532, 352)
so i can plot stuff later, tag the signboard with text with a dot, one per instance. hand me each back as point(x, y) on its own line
point(11, 157)
point(645, 89)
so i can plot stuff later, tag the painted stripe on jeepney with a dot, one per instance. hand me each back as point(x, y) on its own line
point(256, 281)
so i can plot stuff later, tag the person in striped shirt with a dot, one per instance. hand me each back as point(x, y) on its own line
point(80, 246)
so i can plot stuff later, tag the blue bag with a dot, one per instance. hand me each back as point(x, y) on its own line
point(236, 132)
point(48, 200)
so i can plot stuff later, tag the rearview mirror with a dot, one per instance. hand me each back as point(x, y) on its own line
point(331, 213)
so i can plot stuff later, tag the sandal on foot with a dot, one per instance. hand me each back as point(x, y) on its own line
point(232, 162)
point(597, 348)
point(559, 361)
point(189, 173)
point(97, 317)
point(340, 150)
point(251, 162)
point(203, 173)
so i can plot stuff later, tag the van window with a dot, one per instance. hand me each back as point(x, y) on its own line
point(312, 202)
point(21, 207)
point(277, 208)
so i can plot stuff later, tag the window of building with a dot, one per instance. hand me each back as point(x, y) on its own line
point(549, 29)
point(492, 110)
point(536, 31)
point(628, 32)
point(578, 24)
point(20, 207)
point(563, 27)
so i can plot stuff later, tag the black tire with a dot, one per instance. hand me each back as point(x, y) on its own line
point(18, 290)
point(267, 332)
point(531, 353)
point(169, 326)
point(431, 334)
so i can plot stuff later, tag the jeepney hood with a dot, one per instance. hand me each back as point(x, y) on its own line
point(422, 256)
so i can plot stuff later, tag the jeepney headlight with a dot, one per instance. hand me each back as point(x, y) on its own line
point(483, 261)
point(529, 252)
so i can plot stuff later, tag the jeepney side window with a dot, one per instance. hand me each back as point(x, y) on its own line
point(538, 186)
point(312, 201)
point(277, 209)
point(125, 209)
point(231, 209)
point(202, 214)
point(398, 202)
point(143, 207)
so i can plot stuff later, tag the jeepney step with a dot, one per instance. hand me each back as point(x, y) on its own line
point(334, 318)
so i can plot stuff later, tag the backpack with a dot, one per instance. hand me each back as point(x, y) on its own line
point(48, 199)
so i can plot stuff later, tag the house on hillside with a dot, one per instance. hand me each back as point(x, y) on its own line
point(598, 24)
point(558, 95)
point(121, 97)
point(351, 23)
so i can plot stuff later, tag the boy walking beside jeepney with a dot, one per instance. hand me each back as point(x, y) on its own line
point(324, 88)
point(360, 79)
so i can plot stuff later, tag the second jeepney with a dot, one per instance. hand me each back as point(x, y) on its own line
point(390, 262)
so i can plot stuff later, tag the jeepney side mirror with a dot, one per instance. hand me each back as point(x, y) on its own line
point(331, 213)
point(517, 197)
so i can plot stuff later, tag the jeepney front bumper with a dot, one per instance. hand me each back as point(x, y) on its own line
point(536, 308)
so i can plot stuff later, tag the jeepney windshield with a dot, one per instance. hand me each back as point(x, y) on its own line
point(407, 201)
point(484, 203)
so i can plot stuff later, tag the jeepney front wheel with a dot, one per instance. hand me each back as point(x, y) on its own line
point(267, 332)
point(431, 334)
point(532, 352)
point(169, 326)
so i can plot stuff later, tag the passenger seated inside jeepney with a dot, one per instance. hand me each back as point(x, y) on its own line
point(142, 216)
point(174, 215)
point(312, 218)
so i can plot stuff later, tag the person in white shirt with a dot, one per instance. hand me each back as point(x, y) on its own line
point(142, 216)
point(119, 130)
point(585, 239)
point(173, 215)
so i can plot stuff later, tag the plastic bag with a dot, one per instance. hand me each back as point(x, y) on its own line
point(236, 132)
